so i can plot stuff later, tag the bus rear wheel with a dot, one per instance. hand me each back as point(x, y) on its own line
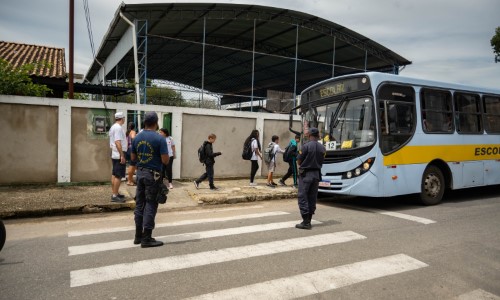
point(433, 186)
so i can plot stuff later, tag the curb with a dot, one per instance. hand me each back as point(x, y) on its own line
point(217, 199)
point(70, 210)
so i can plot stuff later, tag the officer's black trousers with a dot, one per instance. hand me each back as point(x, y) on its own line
point(146, 205)
point(308, 193)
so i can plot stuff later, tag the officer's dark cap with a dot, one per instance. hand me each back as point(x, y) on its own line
point(313, 131)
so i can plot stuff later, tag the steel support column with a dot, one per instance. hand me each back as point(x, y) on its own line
point(253, 64)
point(142, 55)
point(333, 56)
point(366, 59)
point(296, 57)
point(203, 62)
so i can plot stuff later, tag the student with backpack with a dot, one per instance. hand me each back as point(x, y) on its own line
point(270, 158)
point(290, 156)
point(251, 151)
point(207, 157)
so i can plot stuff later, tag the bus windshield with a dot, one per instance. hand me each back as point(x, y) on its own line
point(344, 124)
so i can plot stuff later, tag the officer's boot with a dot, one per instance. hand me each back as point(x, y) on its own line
point(309, 218)
point(138, 235)
point(148, 241)
point(306, 223)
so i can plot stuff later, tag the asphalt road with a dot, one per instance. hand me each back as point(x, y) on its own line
point(361, 248)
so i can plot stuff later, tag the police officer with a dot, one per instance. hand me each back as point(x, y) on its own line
point(150, 151)
point(310, 160)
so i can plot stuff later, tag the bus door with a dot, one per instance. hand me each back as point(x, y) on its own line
point(397, 122)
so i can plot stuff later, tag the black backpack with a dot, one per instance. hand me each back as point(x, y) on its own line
point(202, 155)
point(287, 155)
point(247, 151)
point(290, 152)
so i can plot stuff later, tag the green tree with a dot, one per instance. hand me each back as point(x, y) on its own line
point(495, 41)
point(77, 96)
point(156, 95)
point(164, 96)
point(17, 81)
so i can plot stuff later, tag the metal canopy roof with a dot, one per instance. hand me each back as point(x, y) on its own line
point(212, 46)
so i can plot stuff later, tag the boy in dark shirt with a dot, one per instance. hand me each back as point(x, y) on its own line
point(209, 163)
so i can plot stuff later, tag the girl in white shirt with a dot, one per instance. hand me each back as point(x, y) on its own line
point(253, 138)
point(171, 153)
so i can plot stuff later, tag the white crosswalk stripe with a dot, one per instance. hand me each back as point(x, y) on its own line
point(186, 222)
point(116, 245)
point(403, 216)
point(152, 266)
point(320, 281)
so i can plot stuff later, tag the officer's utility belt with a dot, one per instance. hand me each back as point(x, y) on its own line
point(156, 174)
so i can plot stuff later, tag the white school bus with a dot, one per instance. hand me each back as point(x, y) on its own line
point(389, 135)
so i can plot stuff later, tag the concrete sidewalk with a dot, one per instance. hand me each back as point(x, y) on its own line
point(39, 201)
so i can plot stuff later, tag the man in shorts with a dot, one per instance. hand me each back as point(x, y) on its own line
point(118, 145)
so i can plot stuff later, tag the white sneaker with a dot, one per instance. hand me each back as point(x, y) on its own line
point(170, 186)
point(253, 183)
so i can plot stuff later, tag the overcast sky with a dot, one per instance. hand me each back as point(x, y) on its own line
point(447, 40)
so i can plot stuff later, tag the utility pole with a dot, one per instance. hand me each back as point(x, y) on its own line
point(71, 45)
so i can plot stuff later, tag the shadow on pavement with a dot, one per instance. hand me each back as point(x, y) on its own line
point(408, 202)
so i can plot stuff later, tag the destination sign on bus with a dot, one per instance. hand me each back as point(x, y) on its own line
point(337, 88)
point(333, 90)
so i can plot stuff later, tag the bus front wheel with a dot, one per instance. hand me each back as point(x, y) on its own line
point(433, 186)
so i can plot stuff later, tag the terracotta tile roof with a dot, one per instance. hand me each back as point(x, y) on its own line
point(20, 54)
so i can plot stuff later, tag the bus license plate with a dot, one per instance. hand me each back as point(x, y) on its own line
point(324, 184)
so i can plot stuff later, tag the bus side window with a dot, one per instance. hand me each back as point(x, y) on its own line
point(492, 113)
point(436, 106)
point(469, 113)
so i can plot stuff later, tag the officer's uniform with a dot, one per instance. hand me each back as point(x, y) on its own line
point(311, 158)
point(148, 146)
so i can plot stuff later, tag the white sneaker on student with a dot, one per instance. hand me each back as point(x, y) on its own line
point(253, 183)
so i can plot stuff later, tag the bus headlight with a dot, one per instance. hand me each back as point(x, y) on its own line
point(359, 170)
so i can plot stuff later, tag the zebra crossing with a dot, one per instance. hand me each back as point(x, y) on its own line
point(310, 283)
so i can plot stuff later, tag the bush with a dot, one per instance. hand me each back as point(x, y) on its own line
point(17, 81)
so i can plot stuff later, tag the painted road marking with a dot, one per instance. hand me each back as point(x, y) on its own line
point(215, 210)
point(99, 218)
point(478, 294)
point(158, 265)
point(403, 216)
point(116, 245)
point(179, 223)
point(320, 281)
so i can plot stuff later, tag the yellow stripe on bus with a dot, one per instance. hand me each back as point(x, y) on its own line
point(449, 153)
